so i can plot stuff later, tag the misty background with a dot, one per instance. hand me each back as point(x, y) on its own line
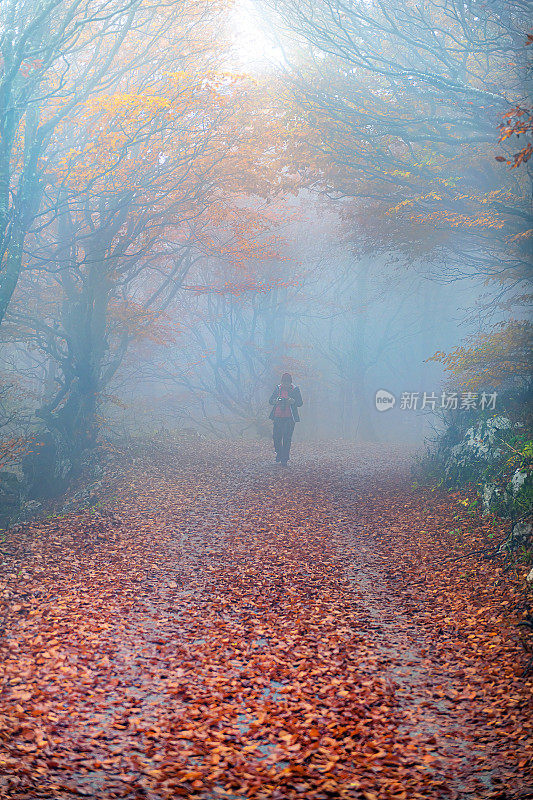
point(205, 198)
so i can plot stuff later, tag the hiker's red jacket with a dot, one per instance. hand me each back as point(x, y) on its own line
point(295, 394)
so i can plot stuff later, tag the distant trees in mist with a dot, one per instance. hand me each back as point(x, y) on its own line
point(174, 233)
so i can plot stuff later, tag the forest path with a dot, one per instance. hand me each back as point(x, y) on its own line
point(234, 629)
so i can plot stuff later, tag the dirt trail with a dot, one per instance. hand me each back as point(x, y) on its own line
point(233, 629)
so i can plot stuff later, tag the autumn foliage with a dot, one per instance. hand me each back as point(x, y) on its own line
point(219, 630)
point(501, 358)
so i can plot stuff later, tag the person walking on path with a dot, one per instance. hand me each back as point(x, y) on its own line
point(286, 399)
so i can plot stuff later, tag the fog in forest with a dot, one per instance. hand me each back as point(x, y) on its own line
point(266, 451)
point(259, 189)
point(343, 320)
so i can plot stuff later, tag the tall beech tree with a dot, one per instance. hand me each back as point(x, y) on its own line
point(54, 56)
point(144, 187)
point(405, 100)
point(412, 106)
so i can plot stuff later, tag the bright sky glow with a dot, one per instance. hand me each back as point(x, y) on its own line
point(255, 51)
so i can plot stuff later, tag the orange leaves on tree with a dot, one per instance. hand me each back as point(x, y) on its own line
point(491, 359)
point(517, 122)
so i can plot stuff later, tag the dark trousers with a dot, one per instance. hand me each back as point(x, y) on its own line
point(282, 435)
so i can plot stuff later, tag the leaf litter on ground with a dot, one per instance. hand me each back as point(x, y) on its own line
point(229, 629)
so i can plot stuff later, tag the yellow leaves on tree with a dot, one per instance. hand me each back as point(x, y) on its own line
point(499, 358)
